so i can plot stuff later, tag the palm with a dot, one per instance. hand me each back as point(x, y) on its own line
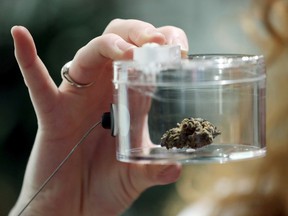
point(87, 170)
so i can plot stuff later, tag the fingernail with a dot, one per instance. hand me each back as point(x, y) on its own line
point(123, 46)
point(150, 32)
point(183, 44)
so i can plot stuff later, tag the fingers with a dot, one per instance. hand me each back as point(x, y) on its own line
point(117, 42)
point(139, 32)
point(135, 31)
point(93, 57)
point(41, 87)
point(175, 36)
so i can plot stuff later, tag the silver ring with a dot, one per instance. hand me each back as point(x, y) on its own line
point(65, 76)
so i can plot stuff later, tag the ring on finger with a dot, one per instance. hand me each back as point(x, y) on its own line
point(65, 76)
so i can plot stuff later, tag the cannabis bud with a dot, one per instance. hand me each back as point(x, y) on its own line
point(190, 133)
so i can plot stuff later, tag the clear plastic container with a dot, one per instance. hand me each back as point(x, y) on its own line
point(226, 90)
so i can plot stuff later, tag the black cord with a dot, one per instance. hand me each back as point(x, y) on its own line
point(59, 166)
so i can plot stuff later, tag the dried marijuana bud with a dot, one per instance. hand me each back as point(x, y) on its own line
point(190, 133)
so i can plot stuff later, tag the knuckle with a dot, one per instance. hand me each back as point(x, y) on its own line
point(115, 22)
point(174, 30)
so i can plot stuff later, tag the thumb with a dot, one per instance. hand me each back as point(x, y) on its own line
point(163, 174)
point(147, 176)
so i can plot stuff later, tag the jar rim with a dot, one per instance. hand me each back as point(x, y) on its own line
point(197, 69)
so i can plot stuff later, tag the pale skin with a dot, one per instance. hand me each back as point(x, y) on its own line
point(92, 182)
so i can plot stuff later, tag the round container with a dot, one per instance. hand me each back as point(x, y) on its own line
point(226, 90)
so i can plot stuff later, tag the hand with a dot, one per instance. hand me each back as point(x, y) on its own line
point(92, 182)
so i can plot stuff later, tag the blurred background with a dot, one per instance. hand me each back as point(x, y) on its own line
point(60, 28)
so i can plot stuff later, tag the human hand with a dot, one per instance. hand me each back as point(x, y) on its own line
point(92, 182)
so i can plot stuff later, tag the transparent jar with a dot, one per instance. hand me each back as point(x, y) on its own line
point(227, 90)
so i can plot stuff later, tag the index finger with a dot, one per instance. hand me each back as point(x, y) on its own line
point(91, 60)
